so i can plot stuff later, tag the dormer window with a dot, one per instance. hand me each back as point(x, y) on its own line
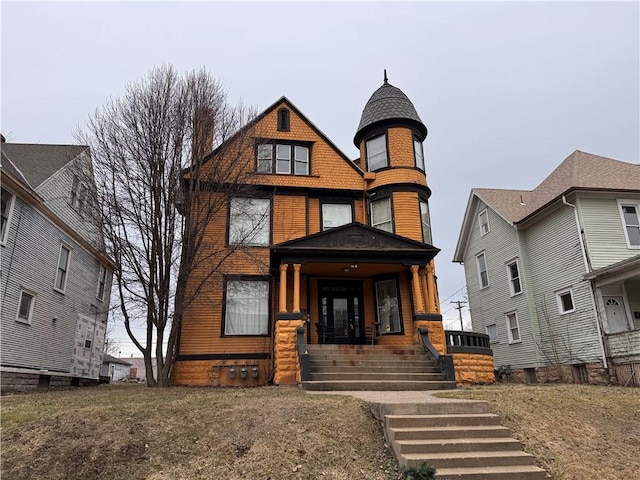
point(283, 120)
point(377, 153)
point(284, 158)
point(418, 153)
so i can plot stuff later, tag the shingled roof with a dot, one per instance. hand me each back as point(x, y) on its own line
point(388, 103)
point(37, 162)
point(579, 170)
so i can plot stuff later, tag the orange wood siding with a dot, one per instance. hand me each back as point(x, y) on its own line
point(314, 215)
point(289, 218)
point(398, 175)
point(400, 141)
point(406, 215)
point(360, 213)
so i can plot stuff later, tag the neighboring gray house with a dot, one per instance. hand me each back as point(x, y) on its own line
point(55, 277)
point(114, 368)
point(553, 274)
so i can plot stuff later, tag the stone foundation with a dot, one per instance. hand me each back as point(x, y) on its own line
point(287, 369)
point(436, 334)
point(22, 382)
point(588, 373)
point(473, 368)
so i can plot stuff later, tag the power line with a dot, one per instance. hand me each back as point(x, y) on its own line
point(459, 307)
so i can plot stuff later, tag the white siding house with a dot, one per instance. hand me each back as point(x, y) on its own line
point(55, 277)
point(562, 295)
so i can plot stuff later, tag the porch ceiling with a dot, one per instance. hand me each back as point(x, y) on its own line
point(350, 270)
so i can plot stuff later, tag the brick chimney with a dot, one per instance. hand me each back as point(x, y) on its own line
point(203, 124)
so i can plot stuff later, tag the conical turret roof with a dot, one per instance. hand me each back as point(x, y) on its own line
point(388, 103)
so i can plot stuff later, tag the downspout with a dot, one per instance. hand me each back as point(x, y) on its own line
point(587, 270)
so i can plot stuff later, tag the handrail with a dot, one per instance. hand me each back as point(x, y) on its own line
point(445, 362)
point(303, 355)
point(467, 342)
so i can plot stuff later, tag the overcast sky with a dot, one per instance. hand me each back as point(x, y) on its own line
point(507, 89)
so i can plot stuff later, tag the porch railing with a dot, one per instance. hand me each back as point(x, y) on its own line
point(467, 342)
point(303, 355)
point(444, 362)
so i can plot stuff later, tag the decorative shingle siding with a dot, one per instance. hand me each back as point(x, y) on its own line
point(406, 213)
point(289, 217)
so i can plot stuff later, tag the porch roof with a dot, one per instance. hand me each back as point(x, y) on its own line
point(627, 268)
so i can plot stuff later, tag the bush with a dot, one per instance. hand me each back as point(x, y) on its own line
point(425, 472)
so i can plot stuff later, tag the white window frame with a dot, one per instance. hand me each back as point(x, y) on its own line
point(559, 295)
point(325, 216)
point(262, 158)
point(426, 226)
point(259, 233)
point(510, 329)
point(481, 224)
point(377, 224)
point(486, 270)
point(27, 320)
point(7, 216)
point(62, 288)
point(298, 159)
point(263, 327)
point(418, 153)
point(625, 225)
point(281, 158)
point(102, 282)
point(487, 329)
point(373, 153)
point(511, 279)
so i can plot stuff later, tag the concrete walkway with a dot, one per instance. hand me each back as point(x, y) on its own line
point(395, 396)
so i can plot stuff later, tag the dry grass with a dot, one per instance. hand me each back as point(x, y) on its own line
point(576, 432)
point(131, 432)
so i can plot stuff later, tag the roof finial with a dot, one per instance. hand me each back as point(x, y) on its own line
point(385, 75)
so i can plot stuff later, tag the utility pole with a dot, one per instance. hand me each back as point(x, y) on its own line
point(460, 305)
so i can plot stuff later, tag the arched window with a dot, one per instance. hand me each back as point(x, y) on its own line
point(283, 120)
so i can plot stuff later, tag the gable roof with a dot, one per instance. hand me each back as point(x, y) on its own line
point(37, 162)
point(579, 171)
point(106, 358)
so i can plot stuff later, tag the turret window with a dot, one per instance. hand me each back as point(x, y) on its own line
point(426, 222)
point(377, 153)
point(381, 216)
point(419, 153)
point(283, 158)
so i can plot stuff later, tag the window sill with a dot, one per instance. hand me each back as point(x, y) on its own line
point(515, 342)
point(567, 312)
point(516, 294)
point(24, 321)
point(61, 292)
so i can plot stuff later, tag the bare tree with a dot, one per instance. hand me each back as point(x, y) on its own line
point(153, 151)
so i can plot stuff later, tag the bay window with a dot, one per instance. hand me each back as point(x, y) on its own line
point(283, 158)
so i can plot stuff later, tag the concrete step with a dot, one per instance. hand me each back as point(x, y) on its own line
point(445, 420)
point(366, 366)
point(477, 459)
point(431, 407)
point(444, 445)
point(394, 349)
point(367, 376)
point(433, 433)
point(366, 357)
point(377, 385)
point(512, 472)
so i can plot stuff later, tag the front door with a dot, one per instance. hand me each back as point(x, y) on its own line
point(341, 319)
point(616, 314)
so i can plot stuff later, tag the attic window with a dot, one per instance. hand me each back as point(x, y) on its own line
point(283, 120)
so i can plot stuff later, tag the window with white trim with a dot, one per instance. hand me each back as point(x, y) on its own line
point(483, 275)
point(565, 301)
point(249, 221)
point(381, 215)
point(425, 221)
point(102, 281)
point(5, 215)
point(25, 306)
point(336, 214)
point(246, 307)
point(377, 153)
point(513, 272)
point(483, 222)
point(63, 268)
point(630, 215)
point(492, 331)
point(418, 153)
point(513, 327)
point(283, 158)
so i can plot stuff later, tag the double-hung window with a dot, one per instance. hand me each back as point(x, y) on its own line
point(102, 281)
point(336, 214)
point(249, 221)
point(387, 305)
point(492, 331)
point(5, 215)
point(283, 158)
point(246, 307)
point(483, 221)
point(381, 216)
point(25, 307)
point(419, 153)
point(565, 301)
point(483, 276)
point(377, 153)
point(515, 286)
point(425, 221)
point(630, 215)
point(63, 268)
point(513, 327)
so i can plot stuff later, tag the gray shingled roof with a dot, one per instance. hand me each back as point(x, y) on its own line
point(579, 170)
point(387, 103)
point(37, 162)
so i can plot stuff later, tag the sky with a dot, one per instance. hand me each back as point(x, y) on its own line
point(507, 90)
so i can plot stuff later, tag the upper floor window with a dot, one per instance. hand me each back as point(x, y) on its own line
point(483, 275)
point(102, 281)
point(630, 214)
point(419, 153)
point(377, 153)
point(513, 327)
point(283, 158)
point(336, 214)
point(283, 120)
point(25, 307)
point(5, 215)
point(565, 301)
point(63, 268)
point(514, 278)
point(426, 222)
point(483, 221)
point(492, 331)
point(381, 216)
point(246, 307)
point(249, 221)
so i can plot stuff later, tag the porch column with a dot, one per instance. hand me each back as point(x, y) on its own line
point(296, 288)
point(417, 294)
point(431, 288)
point(425, 290)
point(283, 288)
